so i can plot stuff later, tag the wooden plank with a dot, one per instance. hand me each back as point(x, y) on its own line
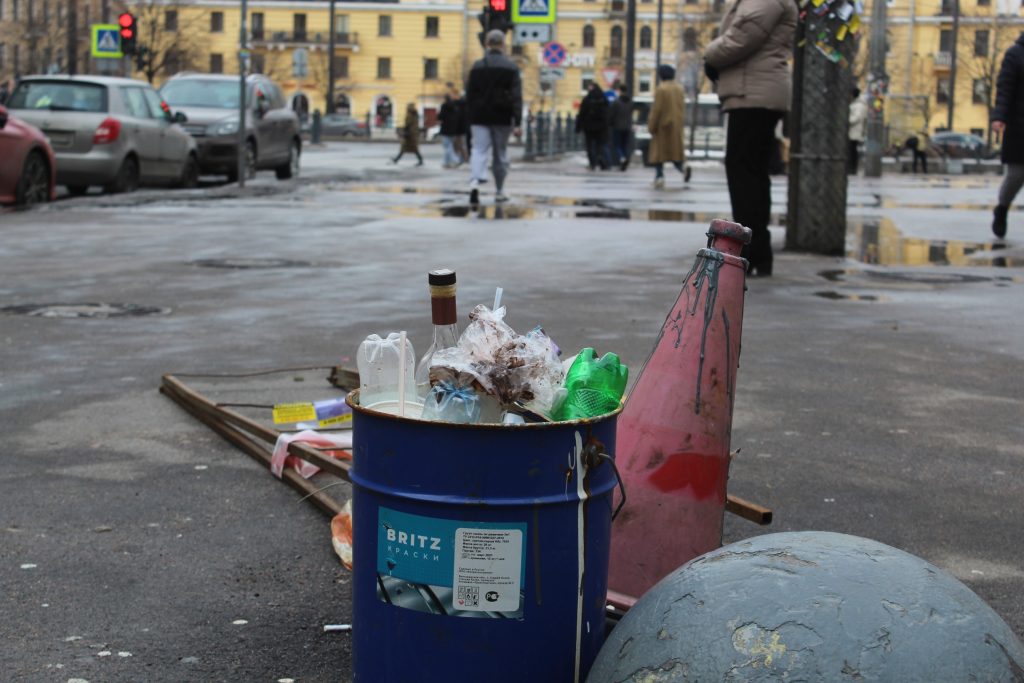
point(747, 510)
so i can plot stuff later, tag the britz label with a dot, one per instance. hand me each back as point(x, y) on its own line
point(451, 567)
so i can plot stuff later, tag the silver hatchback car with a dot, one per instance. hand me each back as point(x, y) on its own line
point(114, 132)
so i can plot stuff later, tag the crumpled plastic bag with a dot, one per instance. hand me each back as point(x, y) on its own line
point(449, 403)
point(341, 534)
point(335, 441)
point(493, 359)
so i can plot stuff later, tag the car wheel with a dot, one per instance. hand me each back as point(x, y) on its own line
point(77, 190)
point(34, 182)
point(250, 163)
point(291, 169)
point(127, 179)
point(190, 173)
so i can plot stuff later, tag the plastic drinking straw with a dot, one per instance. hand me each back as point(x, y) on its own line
point(401, 375)
point(497, 298)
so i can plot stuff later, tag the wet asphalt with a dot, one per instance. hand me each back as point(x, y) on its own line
point(878, 394)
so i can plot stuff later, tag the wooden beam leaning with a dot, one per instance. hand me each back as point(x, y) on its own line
point(747, 510)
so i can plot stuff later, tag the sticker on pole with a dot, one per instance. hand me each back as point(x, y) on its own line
point(533, 11)
point(106, 41)
point(554, 54)
point(451, 567)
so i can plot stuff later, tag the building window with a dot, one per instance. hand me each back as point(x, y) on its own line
point(588, 36)
point(429, 69)
point(299, 26)
point(341, 28)
point(981, 43)
point(16, 58)
point(259, 62)
point(979, 91)
point(171, 20)
point(942, 91)
point(384, 25)
point(341, 66)
point(384, 67)
point(690, 40)
point(984, 3)
point(3, 52)
point(645, 38)
point(433, 27)
point(257, 25)
point(14, 14)
point(216, 22)
point(947, 7)
point(216, 64)
point(615, 45)
point(644, 83)
point(586, 78)
point(945, 40)
point(2, 11)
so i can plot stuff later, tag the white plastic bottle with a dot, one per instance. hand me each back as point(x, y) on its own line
point(379, 363)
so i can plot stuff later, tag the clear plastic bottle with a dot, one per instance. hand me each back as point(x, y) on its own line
point(445, 318)
point(593, 386)
point(378, 361)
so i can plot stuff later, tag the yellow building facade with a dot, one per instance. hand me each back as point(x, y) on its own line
point(388, 54)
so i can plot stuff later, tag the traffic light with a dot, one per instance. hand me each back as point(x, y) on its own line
point(501, 14)
point(129, 32)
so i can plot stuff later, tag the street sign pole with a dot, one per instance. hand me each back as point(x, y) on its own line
point(242, 58)
point(330, 63)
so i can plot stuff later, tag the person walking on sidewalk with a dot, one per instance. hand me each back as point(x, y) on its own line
point(858, 122)
point(449, 119)
point(410, 134)
point(621, 115)
point(749, 60)
point(494, 98)
point(1008, 119)
point(665, 123)
point(592, 121)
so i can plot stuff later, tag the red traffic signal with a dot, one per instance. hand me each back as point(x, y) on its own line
point(499, 5)
point(128, 31)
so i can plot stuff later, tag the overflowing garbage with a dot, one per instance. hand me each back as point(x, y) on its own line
point(488, 373)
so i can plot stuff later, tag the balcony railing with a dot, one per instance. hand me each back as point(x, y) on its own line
point(341, 38)
point(943, 60)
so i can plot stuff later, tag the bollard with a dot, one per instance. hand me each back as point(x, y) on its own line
point(529, 152)
point(573, 136)
point(315, 132)
point(558, 134)
point(673, 438)
point(541, 136)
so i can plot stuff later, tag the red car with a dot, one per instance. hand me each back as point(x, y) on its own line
point(28, 170)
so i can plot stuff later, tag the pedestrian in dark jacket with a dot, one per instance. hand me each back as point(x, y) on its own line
point(410, 134)
point(592, 121)
point(448, 116)
point(494, 97)
point(622, 126)
point(1008, 119)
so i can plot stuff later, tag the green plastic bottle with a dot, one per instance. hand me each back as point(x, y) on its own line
point(594, 386)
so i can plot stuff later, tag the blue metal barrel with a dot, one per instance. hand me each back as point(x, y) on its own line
point(480, 551)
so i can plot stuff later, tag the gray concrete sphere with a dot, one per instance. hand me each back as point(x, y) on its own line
point(809, 606)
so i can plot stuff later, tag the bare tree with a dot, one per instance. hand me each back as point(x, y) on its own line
point(981, 54)
point(170, 39)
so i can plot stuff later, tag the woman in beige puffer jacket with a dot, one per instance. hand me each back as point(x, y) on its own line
point(749, 60)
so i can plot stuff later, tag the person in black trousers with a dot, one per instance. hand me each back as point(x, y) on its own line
point(749, 61)
point(1008, 119)
point(592, 121)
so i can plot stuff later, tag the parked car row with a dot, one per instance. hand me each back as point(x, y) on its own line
point(119, 133)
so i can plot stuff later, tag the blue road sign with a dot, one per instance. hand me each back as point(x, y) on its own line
point(554, 54)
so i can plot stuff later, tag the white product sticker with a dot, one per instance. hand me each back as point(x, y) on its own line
point(488, 563)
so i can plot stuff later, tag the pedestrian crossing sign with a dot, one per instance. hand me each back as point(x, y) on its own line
point(106, 40)
point(533, 11)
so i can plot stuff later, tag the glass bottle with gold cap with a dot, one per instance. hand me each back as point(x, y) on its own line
point(445, 318)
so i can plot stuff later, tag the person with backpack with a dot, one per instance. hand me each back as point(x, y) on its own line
point(494, 100)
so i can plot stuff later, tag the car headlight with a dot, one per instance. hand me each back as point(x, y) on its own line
point(225, 128)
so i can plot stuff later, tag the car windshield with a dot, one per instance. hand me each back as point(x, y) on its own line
point(188, 92)
point(59, 96)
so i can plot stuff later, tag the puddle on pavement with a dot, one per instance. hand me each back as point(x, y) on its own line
point(880, 242)
point(84, 310)
point(847, 296)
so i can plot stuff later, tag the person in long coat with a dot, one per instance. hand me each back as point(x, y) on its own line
point(749, 62)
point(665, 124)
point(592, 121)
point(1008, 119)
point(410, 135)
